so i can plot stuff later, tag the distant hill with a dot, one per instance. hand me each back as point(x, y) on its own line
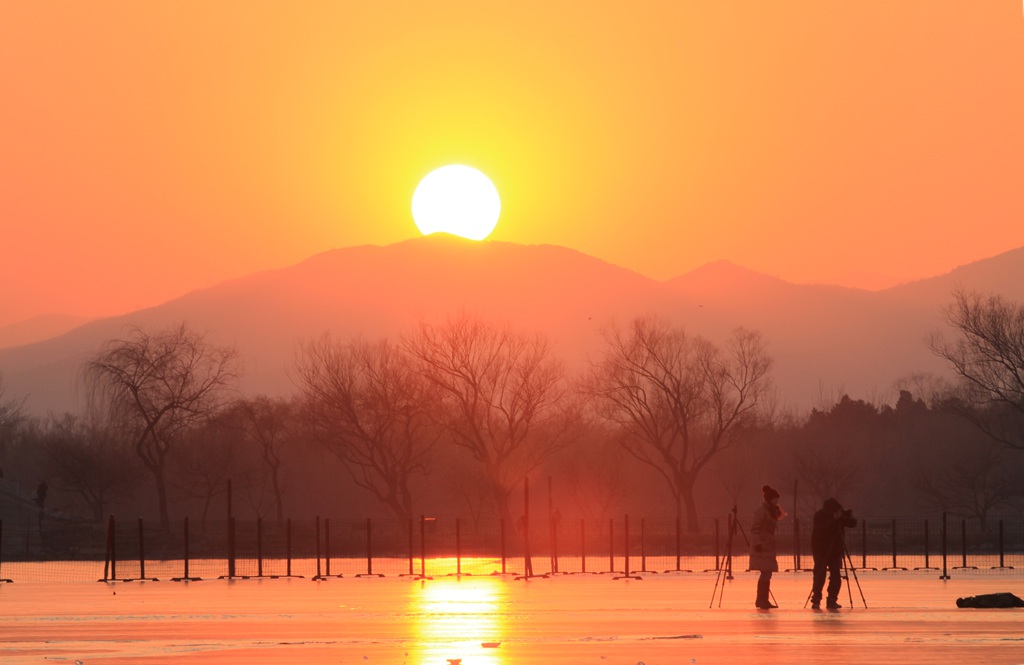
point(38, 328)
point(824, 339)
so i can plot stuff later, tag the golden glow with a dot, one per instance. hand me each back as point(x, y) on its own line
point(456, 199)
point(189, 147)
point(455, 617)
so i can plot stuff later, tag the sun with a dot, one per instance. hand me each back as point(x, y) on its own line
point(456, 199)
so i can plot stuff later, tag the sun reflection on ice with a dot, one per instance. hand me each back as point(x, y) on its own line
point(455, 617)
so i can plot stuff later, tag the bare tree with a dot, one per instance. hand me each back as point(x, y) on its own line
point(500, 395)
point(595, 478)
point(11, 416)
point(678, 400)
point(365, 404)
point(88, 459)
point(269, 424)
point(970, 477)
point(205, 457)
point(988, 355)
point(157, 385)
point(827, 471)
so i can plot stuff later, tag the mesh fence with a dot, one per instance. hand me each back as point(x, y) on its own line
point(321, 548)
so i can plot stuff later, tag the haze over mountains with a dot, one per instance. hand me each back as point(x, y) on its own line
point(826, 340)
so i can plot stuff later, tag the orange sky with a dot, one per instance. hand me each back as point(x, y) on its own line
point(151, 148)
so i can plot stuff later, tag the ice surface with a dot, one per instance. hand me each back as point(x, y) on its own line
point(666, 619)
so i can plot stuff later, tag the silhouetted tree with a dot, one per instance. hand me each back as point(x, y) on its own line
point(157, 385)
point(678, 400)
point(970, 475)
point(205, 457)
point(88, 459)
point(832, 448)
point(988, 355)
point(10, 417)
point(499, 395)
point(365, 403)
point(595, 477)
point(270, 425)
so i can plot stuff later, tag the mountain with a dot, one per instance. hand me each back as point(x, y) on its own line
point(38, 328)
point(825, 339)
point(1002, 274)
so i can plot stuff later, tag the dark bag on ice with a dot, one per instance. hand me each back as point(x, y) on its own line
point(990, 600)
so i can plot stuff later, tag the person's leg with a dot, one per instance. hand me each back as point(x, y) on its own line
point(835, 581)
point(817, 581)
point(764, 582)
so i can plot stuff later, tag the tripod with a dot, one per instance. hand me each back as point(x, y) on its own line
point(852, 569)
point(847, 569)
point(725, 571)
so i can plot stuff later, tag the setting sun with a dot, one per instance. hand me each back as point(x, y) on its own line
point(456, 199)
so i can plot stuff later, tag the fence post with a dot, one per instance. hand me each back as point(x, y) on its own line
point(525, 521)
point(625, 550)
point(458, 547)
point(423, 547)
point(411, 554)
point(113, 550)
point(863, 544)
point(611, 545)
point(288, 547)
point(963, 546)
point(927, 563)
point(327, 546)
point(893, 533)
point(945, 552)
point(369, 552)
point(583, 545)
point(927, 549)
point(186, 577)
point(369, 546)
point(259, 547)
point(796, 544)
point(110, 545)
point(231, 555)
point(643, 544)
point(1002, 550)
point(504, 553)
point(679, 544)
point(554, 538)
point(1, 552)
point(142, 555)
point(718, 565)
point(231, 545)
point(318, 576)
point(625, 545)
point(894, 543)
point(730, 524)
point(963, 541)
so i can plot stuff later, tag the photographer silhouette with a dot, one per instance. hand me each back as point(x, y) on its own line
point(828, 546)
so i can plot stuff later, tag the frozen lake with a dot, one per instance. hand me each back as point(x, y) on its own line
point(665, 619)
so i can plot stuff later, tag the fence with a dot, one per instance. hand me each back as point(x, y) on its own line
point(322, 548)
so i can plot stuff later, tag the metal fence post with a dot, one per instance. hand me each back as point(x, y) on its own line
point(945, 551)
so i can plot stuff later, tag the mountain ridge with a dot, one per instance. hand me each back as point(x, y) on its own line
point(825, 339)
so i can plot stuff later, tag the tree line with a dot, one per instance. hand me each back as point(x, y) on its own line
point(451, 417)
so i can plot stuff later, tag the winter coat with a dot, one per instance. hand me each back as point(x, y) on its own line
point(763, 548)
point(827, 541)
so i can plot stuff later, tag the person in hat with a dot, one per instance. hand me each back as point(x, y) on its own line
point(828, 545)
point(763, 545)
